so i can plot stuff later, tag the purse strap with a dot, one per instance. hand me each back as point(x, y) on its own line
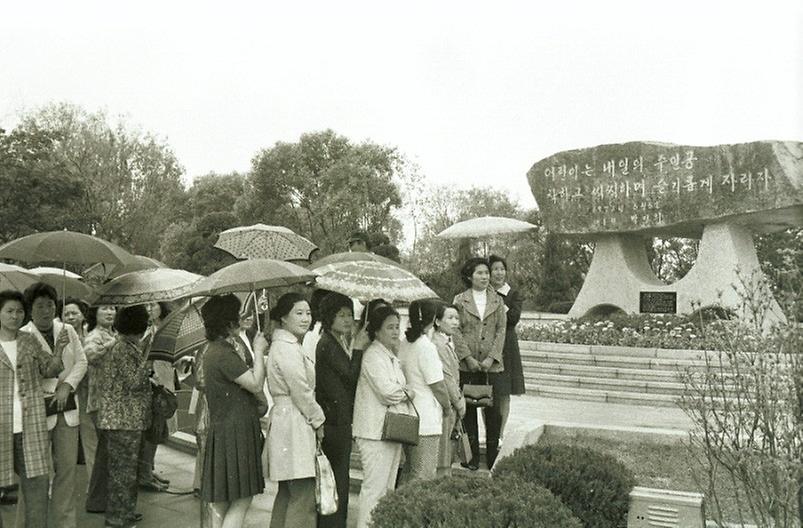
point(410, 401)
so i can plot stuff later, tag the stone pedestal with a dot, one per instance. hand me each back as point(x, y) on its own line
point(619, 271)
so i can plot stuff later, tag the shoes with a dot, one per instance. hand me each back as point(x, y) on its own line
point(160, 479)
point(135, 517)
point(152, 485)
point(473, 466)
point(8, 496)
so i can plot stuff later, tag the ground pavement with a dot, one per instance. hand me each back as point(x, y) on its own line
point(177, 511)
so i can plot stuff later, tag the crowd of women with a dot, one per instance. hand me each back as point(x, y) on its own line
point(330, 381)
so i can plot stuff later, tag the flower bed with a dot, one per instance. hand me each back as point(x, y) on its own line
point(636, 330)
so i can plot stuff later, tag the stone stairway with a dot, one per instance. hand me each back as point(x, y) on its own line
point(638, 376)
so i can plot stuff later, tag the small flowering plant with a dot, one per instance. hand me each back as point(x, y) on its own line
point(694, 331)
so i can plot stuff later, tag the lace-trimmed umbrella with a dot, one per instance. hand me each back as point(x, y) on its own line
point(147, 286)
point(370, 279)
point(260, 241)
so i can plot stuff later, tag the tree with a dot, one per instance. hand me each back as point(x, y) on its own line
point(131, 180)
point(563, 266)
point(209, 210)
point(324, 187)
point(38, 194)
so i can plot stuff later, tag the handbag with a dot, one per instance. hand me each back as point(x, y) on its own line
point(163, 406)
point(479, 395)
point(325, 486)
point(463, 446)
point(50, 406)
point(401, 427)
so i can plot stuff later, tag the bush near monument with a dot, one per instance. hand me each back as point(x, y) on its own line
point(596, 487)
point(687, 332)
point(472, 502)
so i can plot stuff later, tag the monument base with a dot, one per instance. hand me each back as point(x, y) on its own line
point(727, 270)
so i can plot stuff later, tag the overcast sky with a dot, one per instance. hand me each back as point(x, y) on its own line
point(474, 93)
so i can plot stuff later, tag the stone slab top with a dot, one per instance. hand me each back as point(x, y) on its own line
point(662, 189)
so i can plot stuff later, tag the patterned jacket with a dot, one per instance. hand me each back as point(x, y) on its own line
point(123, 395)
point(33, 364)
point(481, 337)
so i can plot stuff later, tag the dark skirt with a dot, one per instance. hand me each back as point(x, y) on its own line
point(233, 461)
point(511, 380)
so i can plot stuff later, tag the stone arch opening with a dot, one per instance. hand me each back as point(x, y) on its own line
point(672, 258)
point(603, 311)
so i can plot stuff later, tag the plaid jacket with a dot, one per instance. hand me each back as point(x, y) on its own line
point(480, 337)
point(33, 364)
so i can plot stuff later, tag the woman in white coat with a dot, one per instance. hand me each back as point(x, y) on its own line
point(296, 420)
point(381, 385)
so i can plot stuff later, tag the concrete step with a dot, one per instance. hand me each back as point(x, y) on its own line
point(632, 398)
point(544, 367)
point(619, 351)
point(637, 362)
point(606, 384)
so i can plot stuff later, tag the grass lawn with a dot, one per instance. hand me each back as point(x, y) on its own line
point(654, 464)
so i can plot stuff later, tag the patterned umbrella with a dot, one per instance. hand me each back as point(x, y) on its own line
point(147, 286)
point(350, 256)
point(251, 275)
point(63, 246)
point(367, 280)
point(486, 226)
point(181, 334)
point(16, 278)
point(261, 241)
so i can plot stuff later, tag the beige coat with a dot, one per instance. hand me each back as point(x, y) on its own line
point(74, 367)
point(380, 386)
point(295, 414)
point(481, 337)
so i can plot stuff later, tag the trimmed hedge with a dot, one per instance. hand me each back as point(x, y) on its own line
point(472, 502)
point(595, 487)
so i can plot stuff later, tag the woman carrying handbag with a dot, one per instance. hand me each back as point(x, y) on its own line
point(381, 389)
point(479, 345)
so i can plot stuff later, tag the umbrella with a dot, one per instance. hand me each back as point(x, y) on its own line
point(350, 256)
point(147, 286)
point(102, 271)
point(181, 334)
point(45, 270)
point(65, 284)
point(63, 246)
point(261, 241)
point(486, 226)
point(250, 275)
point(367, 280)
point(16, 278)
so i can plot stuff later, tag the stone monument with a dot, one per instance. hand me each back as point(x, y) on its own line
point(618, 195)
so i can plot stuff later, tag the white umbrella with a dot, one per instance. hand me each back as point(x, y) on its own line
point(486, 226)
point(260, 241)
point(45, 270)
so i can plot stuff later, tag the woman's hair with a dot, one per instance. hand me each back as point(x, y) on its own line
point(40, 289)
point(421, 314)
point(219, 314)
point(441, 311)
point(285, 305)
point(82, 306)
point(164, 310)
point(470, 267)
point(378, 316)
point(315, 304)
point(370, 307)
point(496, 258)
point(330, 306)
point(12, 295)
point(132, 320)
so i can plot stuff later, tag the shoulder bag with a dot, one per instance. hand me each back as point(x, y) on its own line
point(401, 427)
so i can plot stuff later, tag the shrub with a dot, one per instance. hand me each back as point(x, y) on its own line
point(472, 502)
point(595, 487)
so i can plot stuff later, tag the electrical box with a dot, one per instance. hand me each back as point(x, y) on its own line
point(657, 508)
